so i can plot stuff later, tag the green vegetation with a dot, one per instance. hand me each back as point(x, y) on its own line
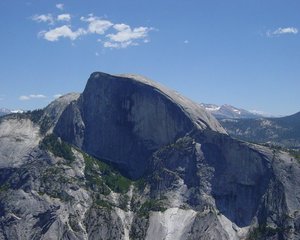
point(101, 174)
point(57, 147)
point(117, 182)
point(62, 195)
point(92, 174)
point(4, 187)
point(295, 154)
point(35, 115)
point(103, 204)
point(179, 145)
point(151, 205)
point(140, 184)
point(53, 181)
point(263, 231)
point(123, 201)
point(17, 116)
point(45, 125)
point(73, 222)
point(55, 173)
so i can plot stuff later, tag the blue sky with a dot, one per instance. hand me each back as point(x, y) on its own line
point(243, 53)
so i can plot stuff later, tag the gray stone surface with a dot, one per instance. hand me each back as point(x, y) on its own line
point(124, 119)
point(199, 184)
point(54, 110)
point(17, 138)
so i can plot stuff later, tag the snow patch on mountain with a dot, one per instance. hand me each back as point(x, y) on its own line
point(227, 111)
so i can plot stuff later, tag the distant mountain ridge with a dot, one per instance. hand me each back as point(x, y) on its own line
point(5, 111)
point(131, 159)
point(283, 131)
point(228, 111)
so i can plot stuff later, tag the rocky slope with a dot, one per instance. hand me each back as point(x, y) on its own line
point(284, 131)
point(129, 159)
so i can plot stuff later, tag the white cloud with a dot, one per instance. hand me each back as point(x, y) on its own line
point(116, 45)
point(90, 17)
point(63, 31)
point(126, 36)
point(23, 98)
point(57, 95)
point(64, 17)
point(116, 35)
point(60, 6)
point(97, 25)
point(286, 30)
point(43, 18)
point(31, 96)
point(280, 31)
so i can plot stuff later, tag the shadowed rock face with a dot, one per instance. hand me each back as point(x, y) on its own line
point(241, 177)
point(124, 119)
point(227, 174)
point(199, 184)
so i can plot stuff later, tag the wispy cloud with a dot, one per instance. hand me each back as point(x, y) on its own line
point(64, 17)
point(186, 41)
point(281, 31)
point(62, 32)
point(57, 95)
point(126, 36)
point(60, 6)
point(46, 18)
point(31, 96)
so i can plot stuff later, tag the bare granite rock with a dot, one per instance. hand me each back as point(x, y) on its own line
point(130, 159)
point(124, 119)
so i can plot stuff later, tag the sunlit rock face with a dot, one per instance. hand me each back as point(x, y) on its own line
point(125, 118)
point(62, 171)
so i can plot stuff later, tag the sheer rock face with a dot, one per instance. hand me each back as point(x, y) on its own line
point(200, 183)
point(125, 118)
point(54, 110)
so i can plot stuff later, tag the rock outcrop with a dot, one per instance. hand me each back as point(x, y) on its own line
point(62, 171)
point(124, 119)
